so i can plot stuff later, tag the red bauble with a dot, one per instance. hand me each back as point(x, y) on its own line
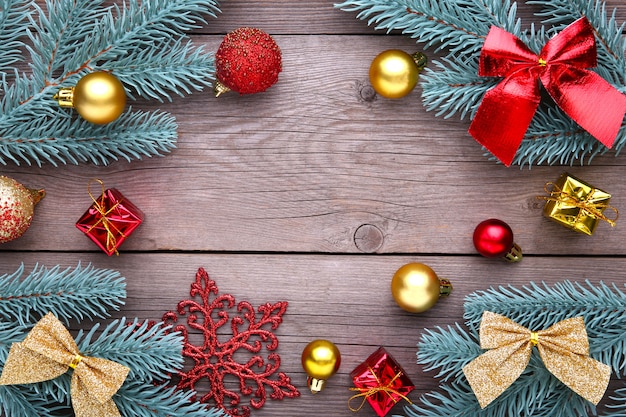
point(493, 238)
point(248, 61)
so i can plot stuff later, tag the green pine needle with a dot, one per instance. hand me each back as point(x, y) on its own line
point(77, 293)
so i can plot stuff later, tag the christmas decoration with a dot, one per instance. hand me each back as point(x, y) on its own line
point(214, 360)
point(563, 347)
point(576, 204)
point(416, 287)
point(539, 390)
point(144, 44)
point(321, 360)
point(110, 219)
point(48, 352)
point(151, 353)
point(98, 97)
point(17, 205)
point(493, 238)
point(561, 68)
point(558, 131)
point(381, 381)
point(247, 61)
point(394, 73)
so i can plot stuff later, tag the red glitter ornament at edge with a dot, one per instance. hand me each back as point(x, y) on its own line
point(247, 61)
point(17, 205)
point(214, 358)
point(493, 238)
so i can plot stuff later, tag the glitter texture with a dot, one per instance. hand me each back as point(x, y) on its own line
point(17, 205)
point(563, 347)
point(215, 360)
point(47, 352)
point(248, 61)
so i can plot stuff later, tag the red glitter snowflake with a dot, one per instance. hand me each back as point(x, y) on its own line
point(213, 360)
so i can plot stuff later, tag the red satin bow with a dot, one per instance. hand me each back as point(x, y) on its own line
point(507, 109)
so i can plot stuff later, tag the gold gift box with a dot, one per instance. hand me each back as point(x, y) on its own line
point(576, 204)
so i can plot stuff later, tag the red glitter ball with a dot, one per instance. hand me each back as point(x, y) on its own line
point(248, 61)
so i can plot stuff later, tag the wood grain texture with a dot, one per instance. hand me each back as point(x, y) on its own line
point(314, 193)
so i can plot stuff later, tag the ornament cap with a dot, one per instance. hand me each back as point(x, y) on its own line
point(514, 254)
point(420, 60)
point(65, 97)
point(445, 287)
point(315, 384)
point(36, 195)
point(219, 88)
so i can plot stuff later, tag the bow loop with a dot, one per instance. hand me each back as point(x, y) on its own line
point(48, 351)
point(563, 347)
point(507, 110)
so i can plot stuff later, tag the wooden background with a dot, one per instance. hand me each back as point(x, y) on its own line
point(314, 193)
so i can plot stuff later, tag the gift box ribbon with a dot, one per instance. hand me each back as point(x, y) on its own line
point(563, 347)
point(507, 109)
point(586, 206)
point(111, 230)
point(48, 351)
point(367, 392)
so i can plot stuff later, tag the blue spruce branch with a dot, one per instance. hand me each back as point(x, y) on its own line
point(13, 15)
point(150, 352)
point(143, 43)
point(77, 293)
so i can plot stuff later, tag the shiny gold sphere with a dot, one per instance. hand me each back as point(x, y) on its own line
point(320, 359)
point(416, 287)
point(99, 97)
point(394, 73)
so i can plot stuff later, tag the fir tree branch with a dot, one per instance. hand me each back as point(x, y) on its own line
point(529, 399)
point(142, 400)
point(64, 139)
point(70, 293)
point(150, 352)
point(457, 25)
point(19, 401)
point(13, 16)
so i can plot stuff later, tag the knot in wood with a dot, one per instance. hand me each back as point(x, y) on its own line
point(368, 238)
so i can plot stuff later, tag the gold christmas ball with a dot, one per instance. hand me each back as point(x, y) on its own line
point(320, 360)
point(394, 73)
point(416, 287)
point(17, 205)
point(99, 97)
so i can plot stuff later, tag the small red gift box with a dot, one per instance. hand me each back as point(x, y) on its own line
point(381, 381)
point(110, 220)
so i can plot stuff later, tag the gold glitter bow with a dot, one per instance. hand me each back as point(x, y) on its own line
point(100, 206)
point(563, 347)
point(48, 351)
point(368, 392)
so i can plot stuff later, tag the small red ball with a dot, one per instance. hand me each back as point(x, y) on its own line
point(248, 61)
point(493, 238)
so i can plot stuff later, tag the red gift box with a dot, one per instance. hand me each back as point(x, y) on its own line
point(381, 381)
point(110, 220)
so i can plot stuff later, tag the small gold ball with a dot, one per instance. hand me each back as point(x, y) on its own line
point(415, 287)
point(393, 73)
point(99, 97)
point(320, 359)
